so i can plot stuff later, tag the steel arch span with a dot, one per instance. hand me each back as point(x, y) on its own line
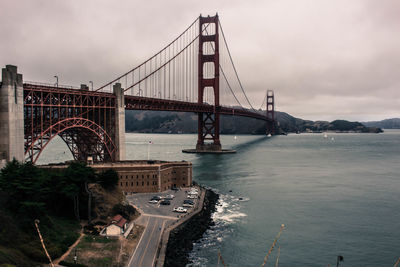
point(83, 137)
point(83, 119)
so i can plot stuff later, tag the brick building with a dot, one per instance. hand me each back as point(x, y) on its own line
point(142, 176)
point(145, 176)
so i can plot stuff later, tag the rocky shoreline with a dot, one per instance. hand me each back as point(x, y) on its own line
point(181, 239)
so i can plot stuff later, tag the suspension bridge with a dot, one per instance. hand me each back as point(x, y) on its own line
point(193, 73)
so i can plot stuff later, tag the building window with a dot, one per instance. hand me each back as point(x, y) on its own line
point(142, 183)
point(131, 183)
point(126, 183)
point(142, 176)
point(156, 175)
point(137, 176)
point(121, 183)
point(148, 176)
point(137, 183)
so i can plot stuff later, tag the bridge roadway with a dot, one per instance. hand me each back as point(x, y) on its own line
point(136, 102)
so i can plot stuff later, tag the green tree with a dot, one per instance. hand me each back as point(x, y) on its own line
point(26, 187)
point(73, 185)
point(108, 179)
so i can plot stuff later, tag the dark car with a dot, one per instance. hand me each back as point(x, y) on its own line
point(155, 198)
point(165, 202)
point(188, 201)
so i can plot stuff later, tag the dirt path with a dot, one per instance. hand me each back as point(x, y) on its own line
point(57, 261)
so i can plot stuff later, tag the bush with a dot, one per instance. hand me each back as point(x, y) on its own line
point(125, 211)
point(108, 179)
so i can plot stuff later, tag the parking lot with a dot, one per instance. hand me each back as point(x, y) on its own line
point(141, 200)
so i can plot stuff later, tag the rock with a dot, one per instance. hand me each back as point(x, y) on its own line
point(181, 239)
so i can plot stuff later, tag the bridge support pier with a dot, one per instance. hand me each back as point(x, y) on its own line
point(120, 153)
point(208, 123)
point(270, 112)
point(11, 116)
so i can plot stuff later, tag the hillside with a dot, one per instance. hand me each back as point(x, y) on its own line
point(385, 124)
point(174, 122)
point(59, 200)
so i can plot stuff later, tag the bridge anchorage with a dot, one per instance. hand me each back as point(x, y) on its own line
point(92, 122)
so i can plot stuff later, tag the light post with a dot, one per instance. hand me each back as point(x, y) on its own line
point(339, 259)
point(55, 76)
point(91, 82)
point(140, 90)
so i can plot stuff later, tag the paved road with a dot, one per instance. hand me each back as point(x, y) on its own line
point(154, 217)
point(146, 250)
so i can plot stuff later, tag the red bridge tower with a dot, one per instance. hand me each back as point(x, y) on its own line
point(208, 123)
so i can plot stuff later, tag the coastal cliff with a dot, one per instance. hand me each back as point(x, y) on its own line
point(181, 239)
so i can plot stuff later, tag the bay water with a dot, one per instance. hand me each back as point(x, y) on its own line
point(336, 195)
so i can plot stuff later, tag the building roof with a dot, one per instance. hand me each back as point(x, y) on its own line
point(118, 220)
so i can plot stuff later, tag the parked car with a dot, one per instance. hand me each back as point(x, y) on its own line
point(156, 198)
point(153, 201)
point(192, 196)
point(180, 210)
point(188, 201)
point(165, 202)
point(169, 197)
point(187, 205)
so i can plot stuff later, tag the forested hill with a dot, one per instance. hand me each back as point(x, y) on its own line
point(176, 122)
point(386, 124)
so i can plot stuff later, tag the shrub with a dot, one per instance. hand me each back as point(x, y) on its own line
point(108, 179)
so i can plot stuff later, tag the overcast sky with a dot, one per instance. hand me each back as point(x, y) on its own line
point(325, 59)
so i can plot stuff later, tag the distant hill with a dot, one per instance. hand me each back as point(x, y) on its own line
point(176, 122)
point(385, 124)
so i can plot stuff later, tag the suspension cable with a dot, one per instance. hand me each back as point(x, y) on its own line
point(223, 74)
point(166, 63)
point(233, 65)
point(167, 46)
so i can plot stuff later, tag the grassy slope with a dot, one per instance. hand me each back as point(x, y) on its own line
point(22, 247)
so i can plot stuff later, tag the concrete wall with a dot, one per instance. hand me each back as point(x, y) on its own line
point(11, 115)
point(120, 154)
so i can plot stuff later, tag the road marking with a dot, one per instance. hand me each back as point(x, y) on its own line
point(158, 242)
point(133, 255)
point(148, 242)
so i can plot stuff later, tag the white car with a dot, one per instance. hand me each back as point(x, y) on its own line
point(187, 205)
point(153, 201)
point(180, 210)
point(192, 196)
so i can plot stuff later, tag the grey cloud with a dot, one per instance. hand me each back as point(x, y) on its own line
point(324, 59)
